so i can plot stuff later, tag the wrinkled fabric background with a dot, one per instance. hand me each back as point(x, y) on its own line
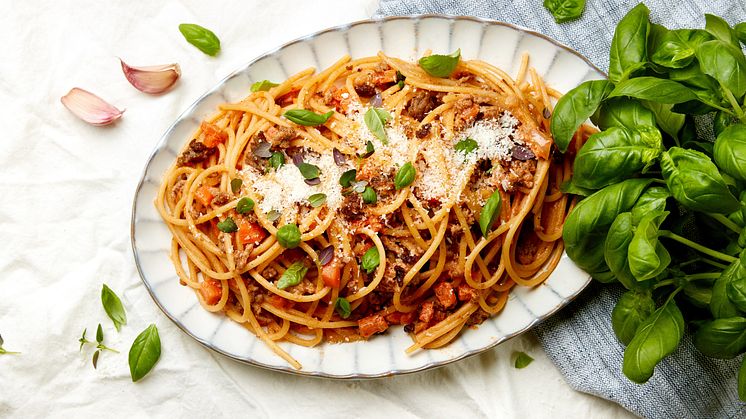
point(579, 340)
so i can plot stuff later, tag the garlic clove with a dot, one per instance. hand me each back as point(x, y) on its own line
point(89, 107)
point(152, 79)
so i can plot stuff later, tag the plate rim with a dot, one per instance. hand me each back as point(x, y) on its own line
point(160, 144)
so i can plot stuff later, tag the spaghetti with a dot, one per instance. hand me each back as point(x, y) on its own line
point(309, 229)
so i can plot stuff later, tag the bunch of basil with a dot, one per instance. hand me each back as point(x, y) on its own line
point(664, 212)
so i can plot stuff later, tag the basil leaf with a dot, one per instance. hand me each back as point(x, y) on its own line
point(741, 32)
point(82, 340)
point(343, 307)
point(725, 63)
point(326, 255)
point(262, 86)
point(292, 275)
point(276, 160)
point(654, 199)
point(522, 360)
point(466, 146)
point(369, 150)
point(722, 338)
point(99, 334)
point(144, 353)
point(202, 38)
point(307, 118)
point(565, 10)
point(347, 177)
point(587, 224)
point(653, 88)
point(113, 307)
point(729, 151)
point(695, 181)
point(706, 88)
point(228, 225)
point(273, 215)
point(95, 358)
point(375, 120)
point(623, 113)
point(629, 45)
point(616, 247)
point(677, 47)
point(440, 65)
point(647, 257)
point(405, 176)
point(371, 259)
point(309, 171)
point(569, 187)
point(369, 195)
point(316, 200)
point(616, 154)
point(721, 305)
point(288, 236)
point(236, 185)
point(489, 213)
point(244, 205)
point(656, 338)
point(670, 122)
point(574, 108)
point(721, 30)
point(629, 312)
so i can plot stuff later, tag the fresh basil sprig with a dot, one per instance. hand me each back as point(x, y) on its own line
point(565, 10)
point(262, 86)
point(307, 118)
point(440, 65)
point(113, 307)
point(99, 344)
point(289, 236)
point(375, 119)
point(144, 353)
point(405, 176)
point(371, 259)
point(489, 213)
point(292, 275)
point(202, 38)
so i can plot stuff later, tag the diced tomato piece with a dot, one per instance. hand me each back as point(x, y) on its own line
point(398, 317)
point(203, 195)
point(427, 311)
point(249, 232)
point(330, 273)
point(466, 293)
point(280, 302)
point(211, 291)
point(212, 135)
point(445, 294)
point(287, 98)
point(372, 324)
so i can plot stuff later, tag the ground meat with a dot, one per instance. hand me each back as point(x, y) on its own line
point(177, 188)
point(465, 110)
point(393, 277)
point(478, 317)
point(195, 153)
point(269, 273)
point(519, 173)
point(353, 207)
point(466, 293)
point(490, 112)
point(242, 257)
point(364, 86)
point(304, 288)
point(221, 198)
point(280, 136)
point(421, 104)
point(423, 131)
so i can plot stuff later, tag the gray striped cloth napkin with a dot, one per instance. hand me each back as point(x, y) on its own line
point(579, 339)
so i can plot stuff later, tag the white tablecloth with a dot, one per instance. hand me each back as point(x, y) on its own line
point(66, 192)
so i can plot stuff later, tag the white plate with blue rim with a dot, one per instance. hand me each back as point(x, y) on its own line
point(498, 43)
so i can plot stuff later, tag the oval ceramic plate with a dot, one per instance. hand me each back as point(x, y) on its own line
point(406, 37)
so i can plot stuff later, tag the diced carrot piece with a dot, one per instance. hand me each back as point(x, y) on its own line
point(331, 273)
point(249, 232)
point(427, 311)
point(445, 294)
point(398, 317)
point(211, 291)
point(203, 195)
point(212, 135)
point(372, 324)
point(279, 302)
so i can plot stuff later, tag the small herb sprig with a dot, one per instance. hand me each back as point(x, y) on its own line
point(4, 351)
point(99, 344)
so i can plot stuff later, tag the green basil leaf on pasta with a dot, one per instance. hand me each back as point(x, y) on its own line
point(309, 171)
point(236, 185)
point(489, 213)
point(522, 360)
point(273, 215)
point(276, 160)
point(466, 146)
point(263, 86)
point(565, 10)
point(292, 275)
point(400, 79)
point(307, 118)
point(113, 307)
point(371, 260)
point(343, 307)
point(405, 176)
point(375, 120)
point(228, 225)
point(288, 236)
point(316, 200)
point(144, 353)
point(202, 38)
point(369, 195)
point(347, 178)
point(440, 65)
point(244, 205)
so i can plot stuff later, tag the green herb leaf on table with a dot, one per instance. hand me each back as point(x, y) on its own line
point(405, 176)
point(289, 236)
point(440, 65)
point(565, 10)
point(522, 360)
point(307, 118)
point(144, 353)
point(371, 260)
point(574, 108)
point(244, 205)
point(375, 119)
point(83, 341)
point(342, 306)
point(489, 213)
point(228, 225)
point(263, 86)
point(6, 352)
point(202, 38)
point(99, 334)
point(292, 275)
point(113, 307)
